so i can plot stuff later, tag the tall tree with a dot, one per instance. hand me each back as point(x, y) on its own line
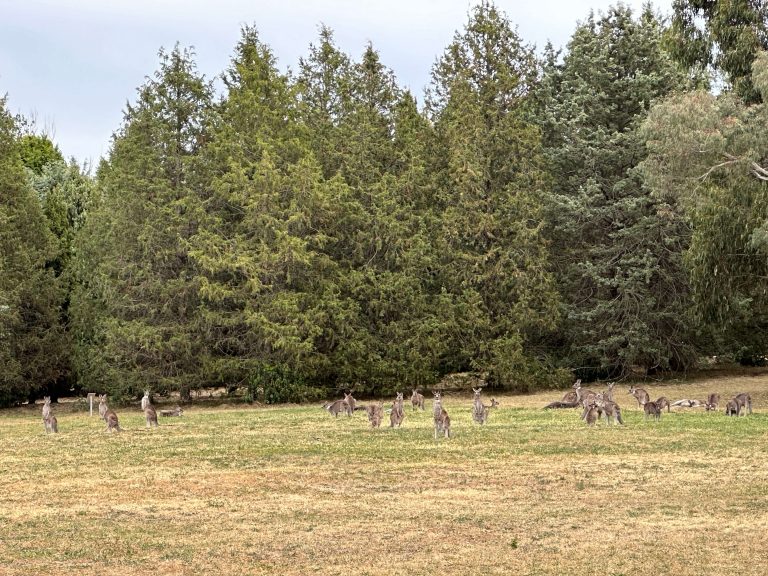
point(617, 250)
point(31, 342)
point(709, 154)
point(490, 174)
point(138, 296)
point(722, 35)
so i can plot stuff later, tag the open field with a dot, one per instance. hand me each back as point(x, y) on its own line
point(292, 490)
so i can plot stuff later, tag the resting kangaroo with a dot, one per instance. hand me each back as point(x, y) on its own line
point(175, 412)
point(417, 400)
point(398, 413)
point(640, 395)
point(440, 416)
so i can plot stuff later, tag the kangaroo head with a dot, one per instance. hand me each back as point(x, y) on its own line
point(632, 390)
point(47, 399)
point(436, 394)
point(611, 385)
point(494, 403)
point(577, 384)
point(477, 391)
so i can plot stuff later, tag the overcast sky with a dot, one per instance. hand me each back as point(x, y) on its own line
point(73, 64)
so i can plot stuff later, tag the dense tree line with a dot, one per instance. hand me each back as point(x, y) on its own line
point(593, 212)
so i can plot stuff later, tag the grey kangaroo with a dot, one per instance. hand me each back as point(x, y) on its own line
point(609, 408)
point(145, 401)
point(640, 395)
point(662, 403)
point(398, 413)
point(175, 412)
point(150, 414)
point(375, 414)
point(441, 418)
point(49, 420)
point(651, 409)
point(744, 400)
point(351, 402)
point(591, 412)
point(337, 407)
point(417, 400)
point(732, 408)
point(109, 415)
point(477, 406)
point(583, 396)
point(712, 401)
point(486, 410)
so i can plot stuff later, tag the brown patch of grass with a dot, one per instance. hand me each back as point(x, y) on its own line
point(292, 490)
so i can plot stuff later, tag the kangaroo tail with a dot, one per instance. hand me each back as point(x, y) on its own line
point(361, 407)
point(619, 418)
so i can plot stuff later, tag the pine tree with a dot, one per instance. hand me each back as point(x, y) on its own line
point(618, 250)
point(138, 294)
point(490, 175)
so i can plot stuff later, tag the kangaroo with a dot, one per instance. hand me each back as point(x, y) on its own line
point(338, 406)
point(608, 394)
point(651, 409)
point(477, 406)
point(102, 405)
point(145, 401)
point(151, 416)
point(712, 401)
point(732, 408)
point(486, 410)
point(561, 404)
point(744, 400)
point(108, 414)
point(46, 407)
point(175, 412)
point(375, 414)
point(686, 403)
point(583, 396)
point(591, 413)
point(398, 413)
point(569, 398)
point(609, 408)
point(417, 400)
point(662, 403)
point(640, 395)
point(351, 402)
point(441, 418)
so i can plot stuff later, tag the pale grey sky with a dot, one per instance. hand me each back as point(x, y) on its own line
point(73, 64)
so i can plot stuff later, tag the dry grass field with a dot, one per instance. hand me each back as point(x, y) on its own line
point(292, 490)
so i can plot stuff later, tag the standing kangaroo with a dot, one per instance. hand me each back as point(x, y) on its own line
point(441, 418)
point(150, 414)
point(591, 412)
point(662, 403)
point(351, 402)
point(486, 410)
point(609, 408)
point(375, 414)
point(651, 409)
point(108, 414)
point(712, 401)
point(398, 413)
point(583, 395)
point(145, 401)
point(49, 420)
point(477, 406)
point(640, 395)
point(417, 400)
point(338, 406)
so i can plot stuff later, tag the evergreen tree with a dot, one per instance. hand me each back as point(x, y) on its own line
point(617, 250)
point(490, 175)
point(31, 342)
point(137, 298)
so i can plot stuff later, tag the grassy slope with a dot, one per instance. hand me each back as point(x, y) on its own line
point(291, 490)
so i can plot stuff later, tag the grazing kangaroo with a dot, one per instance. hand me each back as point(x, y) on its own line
point(417, 400)
point(662, 403)
point(338, 406)
point(375, 414)
point(175, 412)
point(477, 406)
point(744, 400)
point(441, 418)
point(108, 414)
point(651, 409)
point(732, 408)
point(609, 408)
point(398, 412)
point(712, 401)
point(640, 395)
point(486, 410)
